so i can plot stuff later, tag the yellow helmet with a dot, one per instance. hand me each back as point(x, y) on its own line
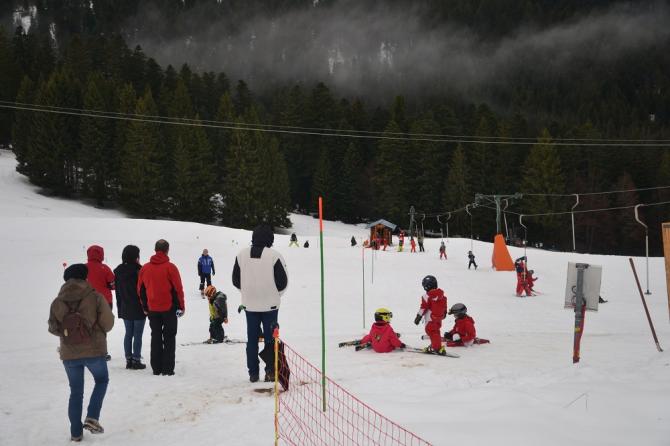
point(210, 291)
point(383, 314)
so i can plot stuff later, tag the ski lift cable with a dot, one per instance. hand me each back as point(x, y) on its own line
point(584, 211)
point(327, 132)
point(599, 193)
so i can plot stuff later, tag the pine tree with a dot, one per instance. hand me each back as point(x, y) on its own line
point(126, 103)
point(142, 179)
point(96, 138)
point(277, 193)
point(221, 138)
point(426, 167)
point(324, 184)
point(389, 182)
point(457, 192)
point(22, 128)
point(9, 84)
point(351, 186)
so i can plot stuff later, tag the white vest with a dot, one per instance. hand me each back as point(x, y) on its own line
point(257, 280)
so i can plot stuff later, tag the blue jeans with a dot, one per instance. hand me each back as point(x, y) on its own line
point(132, 341)
point(254, 321)
point(75, 375)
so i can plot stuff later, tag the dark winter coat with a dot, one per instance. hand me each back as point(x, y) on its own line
point(93, 309)
point(218, 308)
point(127, 300)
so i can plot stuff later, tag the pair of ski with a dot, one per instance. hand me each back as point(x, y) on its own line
point(358, 346)
point(476, 340)
point(226, 340)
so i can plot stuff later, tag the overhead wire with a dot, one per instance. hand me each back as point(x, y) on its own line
point(360, 134)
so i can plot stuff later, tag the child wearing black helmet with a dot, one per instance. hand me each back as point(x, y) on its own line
point(464, 328)
point(432, 310)
point(382, 337)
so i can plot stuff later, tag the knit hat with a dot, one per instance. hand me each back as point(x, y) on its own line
point(262, 236)
point(76, 271)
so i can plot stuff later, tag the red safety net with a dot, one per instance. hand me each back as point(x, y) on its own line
point(346, 421)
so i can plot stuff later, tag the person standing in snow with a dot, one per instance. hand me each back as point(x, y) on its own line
point(464, 328)
point(401, 241)
point(129, 307)
point(471, 257)
point(530, 280)
point(412, 243)
point(162, 296)
point(521, 273)
point(218, 314)
point(260, 275)
point(353, 241)
point(100, 276)
point(432, 311)
point(443, 250)
point(81, 318)
point(382, 338)
point(205, 271)
point(420, 240)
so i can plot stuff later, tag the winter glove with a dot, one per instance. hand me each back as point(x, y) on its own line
point(179, 312)
point(225, 320)
point(402, 345)
point(240, 308)
point(417, 319)
point(448, 336)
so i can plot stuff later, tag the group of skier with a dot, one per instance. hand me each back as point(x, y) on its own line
point(524, 278)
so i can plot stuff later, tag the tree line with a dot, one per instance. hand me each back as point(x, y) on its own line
point(238, 177)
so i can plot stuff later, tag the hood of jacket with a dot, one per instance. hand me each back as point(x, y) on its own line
point(436, 292)
point(95, 253)
point(74, 290)
point(159, 258)
point(262, 237)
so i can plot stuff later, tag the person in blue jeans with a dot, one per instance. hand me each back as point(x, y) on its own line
point(129, 306)
point(81, 318)
point(260, 275)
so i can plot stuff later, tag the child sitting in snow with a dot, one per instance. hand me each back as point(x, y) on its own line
point(464, 328)
point(382, 338)
point(218, 314)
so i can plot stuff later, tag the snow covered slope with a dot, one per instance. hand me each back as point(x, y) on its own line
point(522, 389)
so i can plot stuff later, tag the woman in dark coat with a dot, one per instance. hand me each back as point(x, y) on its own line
point(129, 306)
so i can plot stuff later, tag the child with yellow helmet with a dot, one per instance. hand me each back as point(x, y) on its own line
point(382, 337)
point(218, 314)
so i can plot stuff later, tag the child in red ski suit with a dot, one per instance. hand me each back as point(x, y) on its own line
point(530, 280)
point(464, 327)
point(412, 243)
point(433, 309)
point(382, 337)
point(521, 277)
point(443, 251)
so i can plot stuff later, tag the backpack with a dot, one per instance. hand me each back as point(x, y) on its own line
point(74, 328)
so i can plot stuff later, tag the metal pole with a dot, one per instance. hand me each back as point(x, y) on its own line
point(372, 275)
point(467, 209)
point(505, 219)
point(646, 243)
point(441, 231)
point(323, 314)
point(497, 201)
point(525, 235)
point(644, 303)
point(363, 264)
point(572, 215)
point(448, 218)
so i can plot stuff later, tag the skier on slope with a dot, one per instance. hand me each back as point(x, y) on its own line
point(464, 328)
point(530, 280)
point(433, 310)
point(205, 271)
point(412, 243)
point(294, 241)
point(353, 241)
point(401, 241)
point(471, 257)
point(218, 314)
point(382, 337)
point(521, 273)
point(443, 250)
point(420, 241)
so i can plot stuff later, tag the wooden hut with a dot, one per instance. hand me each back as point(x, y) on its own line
point(381, 230)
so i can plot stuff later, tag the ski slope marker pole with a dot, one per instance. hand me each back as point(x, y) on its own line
point(323, 316)
point(275, 335)
point(644, 303)
point(363, 264)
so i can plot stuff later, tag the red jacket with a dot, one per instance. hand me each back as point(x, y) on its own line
point(465, 328)
point(530, 280)
point(100, 276)
point(159, 284)
point(434, 305)
point(382, 337)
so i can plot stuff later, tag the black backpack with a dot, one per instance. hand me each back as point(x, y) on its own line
point(74, 328)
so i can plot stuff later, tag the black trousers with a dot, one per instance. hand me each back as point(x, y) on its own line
point(472, 262)
point(216, 329)
point(203, 277)
point(163, 333)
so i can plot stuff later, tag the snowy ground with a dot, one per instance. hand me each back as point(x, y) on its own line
point(522, 389)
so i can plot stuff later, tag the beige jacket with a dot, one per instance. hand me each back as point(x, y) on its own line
point(93, 308)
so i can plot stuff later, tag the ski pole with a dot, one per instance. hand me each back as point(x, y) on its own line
point(644, 303)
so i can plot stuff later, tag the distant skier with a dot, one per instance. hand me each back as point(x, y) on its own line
point(401, 241)
point(382, 337)
point(521, 273)
point(353, 241)
point(443, 251)
point(432, 311)
point(306, 245)
point(420, 240)
point(412, 244)
point(530, 280)
point(218, 314)
point(294, 241)
point(205, 271)
point(472, 262)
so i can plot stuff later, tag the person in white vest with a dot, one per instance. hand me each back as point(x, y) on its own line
point(260, 275)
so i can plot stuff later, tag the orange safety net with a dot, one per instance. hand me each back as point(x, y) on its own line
point(347, 420)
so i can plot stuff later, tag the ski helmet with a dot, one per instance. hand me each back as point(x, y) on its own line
point(429, 283)
point(210, 291)
point(458, 310)
point(383, 314)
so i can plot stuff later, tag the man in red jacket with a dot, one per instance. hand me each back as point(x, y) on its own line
point(100, 276)
point(162, 296)
point(433, 309)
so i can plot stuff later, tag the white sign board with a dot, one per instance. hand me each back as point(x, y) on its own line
point(591, 286)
